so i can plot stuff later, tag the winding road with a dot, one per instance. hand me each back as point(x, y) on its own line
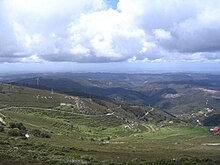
point(147, 113)
point(53, 110)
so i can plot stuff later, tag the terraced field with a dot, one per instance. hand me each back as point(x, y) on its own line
point(104, 138)
point(101, 138)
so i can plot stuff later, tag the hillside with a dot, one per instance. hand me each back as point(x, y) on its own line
point(191, 97)
point(30, 97)
point(64, 129)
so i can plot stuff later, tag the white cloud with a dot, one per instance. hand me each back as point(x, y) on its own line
point(132, 59)
point(162, 34)
point(108, 35)
point(31, 59)
point(79, 49)
point(26, 40)
point(89, 31)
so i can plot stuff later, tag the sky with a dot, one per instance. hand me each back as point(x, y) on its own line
point(109, 35)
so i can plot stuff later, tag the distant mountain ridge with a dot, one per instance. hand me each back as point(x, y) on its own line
point(179, 94)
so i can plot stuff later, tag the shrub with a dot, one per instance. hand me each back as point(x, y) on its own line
point(1, 128)
point(38, 133)
point(92, 139)
point(44, 135)
point(16, 132)
point(20, 126)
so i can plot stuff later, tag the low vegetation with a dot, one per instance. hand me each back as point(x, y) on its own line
point(48, 133)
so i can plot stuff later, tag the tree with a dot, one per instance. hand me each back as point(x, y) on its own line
point(38, 133)
point(20, 126)
point(16, 132)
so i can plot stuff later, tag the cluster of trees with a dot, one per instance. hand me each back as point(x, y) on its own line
point(38, 133)
point(20, 126)
point(18, 129)
point(16, 132)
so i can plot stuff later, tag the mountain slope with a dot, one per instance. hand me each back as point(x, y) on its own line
point(189, 96)
point(44, 127)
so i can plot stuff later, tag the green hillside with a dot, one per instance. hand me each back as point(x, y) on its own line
point(188, 96)
point(65, 129)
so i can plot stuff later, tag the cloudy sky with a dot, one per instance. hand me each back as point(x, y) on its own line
point(109, 35)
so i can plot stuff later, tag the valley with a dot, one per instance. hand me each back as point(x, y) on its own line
point(66, 125)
